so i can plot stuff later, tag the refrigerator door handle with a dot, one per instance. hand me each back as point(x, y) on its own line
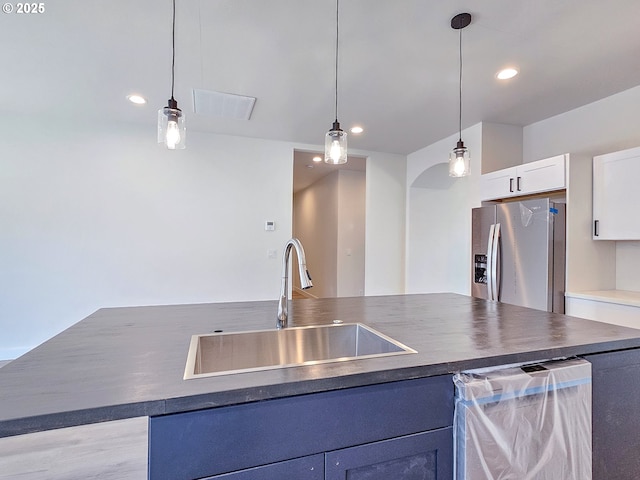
point(490, 262)
point(494, 262)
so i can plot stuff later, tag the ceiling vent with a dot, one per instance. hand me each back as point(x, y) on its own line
point(223, 105)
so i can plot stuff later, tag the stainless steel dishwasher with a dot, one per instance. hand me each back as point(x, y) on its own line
point(524, 422)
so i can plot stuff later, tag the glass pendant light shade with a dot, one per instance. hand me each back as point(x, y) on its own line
point(172, 131)
point(459, 161)
point(335, 145)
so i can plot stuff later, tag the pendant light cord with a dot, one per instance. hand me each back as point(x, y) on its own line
point(460, 90)
point(337, 32)
point(173, 48)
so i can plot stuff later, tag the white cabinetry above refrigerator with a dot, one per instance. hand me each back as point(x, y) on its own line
point(534, 177)
point(616, 195)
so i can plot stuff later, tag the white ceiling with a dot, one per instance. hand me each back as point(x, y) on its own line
point(398, 74)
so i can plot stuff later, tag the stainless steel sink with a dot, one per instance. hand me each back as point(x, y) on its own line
point(227, 353)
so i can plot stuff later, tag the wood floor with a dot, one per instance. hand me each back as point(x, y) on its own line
point(114, 450)
point(295, 295)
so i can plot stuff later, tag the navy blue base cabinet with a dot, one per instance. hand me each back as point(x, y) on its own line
point(422, 456)
point(397, 430)
point(616, 415)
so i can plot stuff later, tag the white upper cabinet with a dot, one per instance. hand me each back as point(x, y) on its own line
point(616, 195)
point(534, 177)
point(498, 184)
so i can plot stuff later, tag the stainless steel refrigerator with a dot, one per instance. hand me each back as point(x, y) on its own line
point(518, 253)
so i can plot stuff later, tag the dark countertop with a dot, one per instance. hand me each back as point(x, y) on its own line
point(127, 362)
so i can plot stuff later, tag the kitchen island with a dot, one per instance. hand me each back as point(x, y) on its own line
point(122, 363)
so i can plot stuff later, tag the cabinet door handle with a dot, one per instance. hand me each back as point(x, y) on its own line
point(511, 184)
point(596, 228)
point(518, 181)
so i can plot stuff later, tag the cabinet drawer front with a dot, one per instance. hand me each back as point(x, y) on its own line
point(305, 468)
point(422, 455)
point(220, 440)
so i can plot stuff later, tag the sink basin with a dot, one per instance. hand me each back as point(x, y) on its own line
point(227, 353)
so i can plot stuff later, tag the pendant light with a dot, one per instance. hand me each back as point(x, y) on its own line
point(171, 126)
point(459, 156)
point(335, 141)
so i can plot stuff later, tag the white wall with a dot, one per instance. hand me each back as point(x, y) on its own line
point(608, 125)
point(627, 265)
point(605, 126)
point(439, 217)
point(93, 218)
point(329, 220)
point(501, 146)
point(315, 224)
point(96, 215)
point(590, 265)
point(385, 223)
point(351, 233)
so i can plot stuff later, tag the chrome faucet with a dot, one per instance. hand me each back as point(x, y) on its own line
point(305, 279)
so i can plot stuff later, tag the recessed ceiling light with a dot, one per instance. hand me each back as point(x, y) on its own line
point(506, 73)
point(357, 130)
point(317, 159)
point(137, 99)
point(309, 166)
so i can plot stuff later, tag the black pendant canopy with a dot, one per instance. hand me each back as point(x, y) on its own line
point(460, 21)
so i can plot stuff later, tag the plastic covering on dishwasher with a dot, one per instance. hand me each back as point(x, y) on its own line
point(524, 422)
